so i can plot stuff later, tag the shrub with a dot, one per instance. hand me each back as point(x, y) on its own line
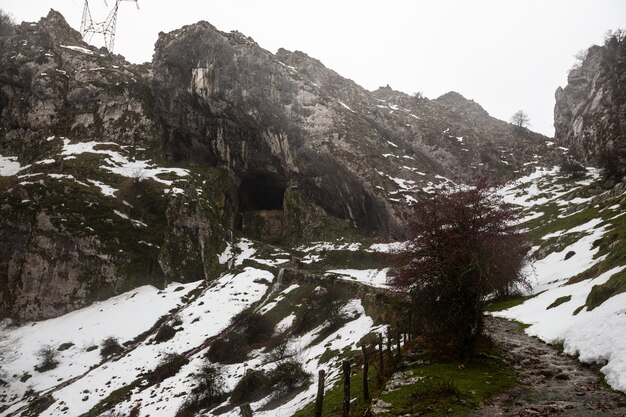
point(331, 302)
point(232, 349)
point(167, 367)
point(325, 305)
point(254, 326)
point(110, 346)
point(253, 386)
point(279, 348)
point(47, 358)
point(572, 168)
point(288, 376)
point(208, 392)
point(165, 333)
point(612, 160)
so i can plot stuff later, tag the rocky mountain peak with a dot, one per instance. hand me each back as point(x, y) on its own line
point(588, 114)
point(216, 134)
point(55, 25)
point(456, 102)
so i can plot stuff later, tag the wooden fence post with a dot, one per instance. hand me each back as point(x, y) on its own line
point(246, 410)
point(346, 389)
point(398, 333)
point(366, 388)
point(381, 360)
point(389, 344)
point(319, 401)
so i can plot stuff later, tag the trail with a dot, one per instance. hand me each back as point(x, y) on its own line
point(551, 383)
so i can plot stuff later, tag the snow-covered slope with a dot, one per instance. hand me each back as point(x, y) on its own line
point(86, 384)
point(578, 274)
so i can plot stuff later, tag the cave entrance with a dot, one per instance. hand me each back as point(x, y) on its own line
point(261, 192)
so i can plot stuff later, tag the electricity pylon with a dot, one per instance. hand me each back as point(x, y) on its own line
point(88, 28)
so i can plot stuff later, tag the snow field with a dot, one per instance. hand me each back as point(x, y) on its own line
point(597, 336)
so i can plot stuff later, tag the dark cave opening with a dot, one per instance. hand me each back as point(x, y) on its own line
point(261, 192)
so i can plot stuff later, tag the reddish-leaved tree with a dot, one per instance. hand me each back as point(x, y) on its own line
point(463, 246)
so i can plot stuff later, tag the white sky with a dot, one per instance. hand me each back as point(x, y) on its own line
point(506, 55)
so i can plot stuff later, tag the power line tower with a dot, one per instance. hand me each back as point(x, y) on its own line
point(88, 27)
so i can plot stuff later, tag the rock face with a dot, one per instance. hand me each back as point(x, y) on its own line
point(590, 112)
point(79, 220)
point(116, 175)
point(285, 120)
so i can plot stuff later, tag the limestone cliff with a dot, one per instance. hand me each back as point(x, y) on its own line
point(85, 207)
point(115, 175)
point(590, 112)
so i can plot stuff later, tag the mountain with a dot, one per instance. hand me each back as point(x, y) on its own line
point(220, 220)
point(590, 112)
point(111, 170)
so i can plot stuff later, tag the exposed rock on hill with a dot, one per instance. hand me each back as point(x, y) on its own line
point(115, 175)
point(84, 201)
point(590, 112)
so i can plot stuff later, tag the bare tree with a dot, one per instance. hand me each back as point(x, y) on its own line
point(7, 25)
point(520, 119)
point(619, 34)
point(579, 58)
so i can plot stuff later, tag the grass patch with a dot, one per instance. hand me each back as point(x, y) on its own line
point(559, 301)
point(333, 399)
point(505, 303)
point(600, 293)
point(451, 388)
point(113, 398)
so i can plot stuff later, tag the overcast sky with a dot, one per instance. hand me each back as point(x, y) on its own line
point(506, 55)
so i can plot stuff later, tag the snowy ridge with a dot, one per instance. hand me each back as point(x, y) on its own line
point(569, 263)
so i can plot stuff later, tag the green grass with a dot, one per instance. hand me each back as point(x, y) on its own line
point(333, 399)
point(115, 397)
point(612, 244)
point(451, 388)
point(600, 293)
point(559, 301)
point(442, 387)
point(505, 303)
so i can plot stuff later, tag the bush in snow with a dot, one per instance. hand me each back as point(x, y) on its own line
point(208, 392)
point(167, 367)
point(572, 168)
point(253, 386)
point(110, 346)
point(47, 358)
point(288, 376)
point(165, 333)
point(254, 326)
point(325, 305)
point(278, 348)
point(232, 349)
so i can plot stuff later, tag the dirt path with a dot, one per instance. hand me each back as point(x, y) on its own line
point(551, 383)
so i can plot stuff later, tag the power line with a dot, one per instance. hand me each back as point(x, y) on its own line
point(106, 28)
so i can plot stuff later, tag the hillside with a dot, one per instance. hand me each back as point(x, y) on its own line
point(110, 169)
point(225, 219)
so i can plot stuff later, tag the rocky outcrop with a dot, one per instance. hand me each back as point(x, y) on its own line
point(79, 221)
point(590, 112)
point(226, 101)
point(286, 120)
point(142, 171)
